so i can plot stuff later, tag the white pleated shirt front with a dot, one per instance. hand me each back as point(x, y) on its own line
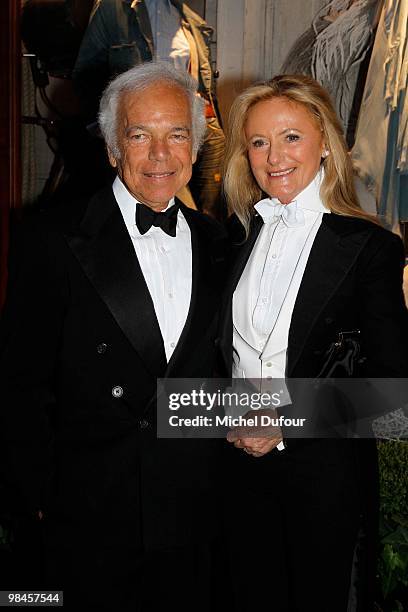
point(265, 296)
point(166, 264)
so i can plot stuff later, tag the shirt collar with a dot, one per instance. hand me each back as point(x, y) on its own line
point(309, 198)
point(127, 202)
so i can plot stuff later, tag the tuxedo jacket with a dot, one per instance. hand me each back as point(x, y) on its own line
point(352, 281)
point(81, 353)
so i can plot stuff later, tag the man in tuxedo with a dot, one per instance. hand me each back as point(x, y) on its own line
point(124, 33)
point(105, 297)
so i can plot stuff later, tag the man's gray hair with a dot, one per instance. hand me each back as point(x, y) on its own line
point(139, 78)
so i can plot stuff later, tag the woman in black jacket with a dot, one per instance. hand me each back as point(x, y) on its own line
point(310, 269)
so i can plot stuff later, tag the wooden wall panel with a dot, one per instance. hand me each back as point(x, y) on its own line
point(253, 38)
point(230, 43)
point(289, 20)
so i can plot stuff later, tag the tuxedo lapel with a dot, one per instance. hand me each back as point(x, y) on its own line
point(203, 301)
point(335, 250)
point(105, 252)
point(240, 252)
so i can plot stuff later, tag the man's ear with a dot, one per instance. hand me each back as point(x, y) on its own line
point(194, 157)
point(112, 158)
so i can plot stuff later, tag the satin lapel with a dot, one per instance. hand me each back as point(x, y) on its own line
point(240, 252)
point(335, 250)
point(105, 251)
point(203, 303)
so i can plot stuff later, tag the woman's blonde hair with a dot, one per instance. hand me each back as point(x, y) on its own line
point(337, 190)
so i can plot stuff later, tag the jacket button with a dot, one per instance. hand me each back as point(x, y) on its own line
point(143, 424)
point(117, 391)
point(328, 320)
point(101, 348)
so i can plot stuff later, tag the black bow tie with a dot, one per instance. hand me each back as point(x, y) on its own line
point(146, 217)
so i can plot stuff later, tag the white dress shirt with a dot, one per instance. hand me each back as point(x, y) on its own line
point(166, 264)
point(170, 42)
point(265, 296)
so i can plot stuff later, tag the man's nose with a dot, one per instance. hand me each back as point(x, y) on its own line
point(159, 150)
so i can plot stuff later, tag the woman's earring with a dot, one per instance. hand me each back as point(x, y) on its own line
point(325, 153)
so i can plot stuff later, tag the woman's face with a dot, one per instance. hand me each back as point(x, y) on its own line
point(285, 146)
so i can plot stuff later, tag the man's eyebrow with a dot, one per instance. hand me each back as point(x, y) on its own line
point(177, 128)
point(136, 127)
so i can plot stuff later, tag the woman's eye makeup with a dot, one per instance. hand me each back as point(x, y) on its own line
point(257, 143)
point(292, 137)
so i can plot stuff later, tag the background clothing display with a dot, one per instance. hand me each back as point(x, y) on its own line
point(170, 41)
point(380, 152)
point(119, 36)
point(332, 52)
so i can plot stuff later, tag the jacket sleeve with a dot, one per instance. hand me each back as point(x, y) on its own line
point(30, 333)
point(91, 71)
point(383, 312)
point(377, 308)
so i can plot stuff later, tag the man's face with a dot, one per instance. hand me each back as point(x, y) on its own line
point(155, 142)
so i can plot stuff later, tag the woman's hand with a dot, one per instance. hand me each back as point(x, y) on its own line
point(257, 447)
point(256, 441)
